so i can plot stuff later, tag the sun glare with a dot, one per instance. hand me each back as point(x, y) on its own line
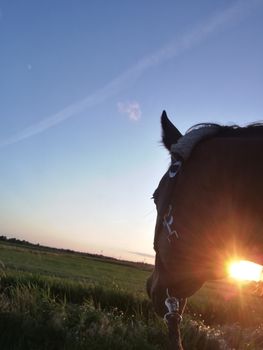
point(245, 271)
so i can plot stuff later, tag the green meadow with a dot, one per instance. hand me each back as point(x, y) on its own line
point(51, 299)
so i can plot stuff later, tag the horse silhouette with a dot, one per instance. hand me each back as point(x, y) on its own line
point(209, 208)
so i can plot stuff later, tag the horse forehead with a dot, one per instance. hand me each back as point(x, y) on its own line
point(234, 144)
point(226, 152)
point(224, 160)
point(220, 172)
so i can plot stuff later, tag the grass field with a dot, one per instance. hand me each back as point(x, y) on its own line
point(58, 300)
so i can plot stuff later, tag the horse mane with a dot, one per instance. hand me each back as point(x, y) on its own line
point(253, 129)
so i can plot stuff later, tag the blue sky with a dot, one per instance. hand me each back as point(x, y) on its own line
point(83, 85)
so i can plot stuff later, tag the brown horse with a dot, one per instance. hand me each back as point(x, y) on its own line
point(209, 208)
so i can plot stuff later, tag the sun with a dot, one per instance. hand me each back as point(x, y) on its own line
point(243, 270)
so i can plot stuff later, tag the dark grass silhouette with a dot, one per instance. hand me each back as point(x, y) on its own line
point(56, 308)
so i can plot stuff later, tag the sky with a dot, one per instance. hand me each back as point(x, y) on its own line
point(82, 88)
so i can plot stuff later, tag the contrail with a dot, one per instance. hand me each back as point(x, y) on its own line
point(215, 23)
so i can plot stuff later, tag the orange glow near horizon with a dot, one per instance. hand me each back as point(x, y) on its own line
point(243, 270)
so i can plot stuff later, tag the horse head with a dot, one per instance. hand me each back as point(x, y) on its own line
point(209, 207)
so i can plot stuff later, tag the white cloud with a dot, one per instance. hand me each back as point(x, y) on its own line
point(132, 109)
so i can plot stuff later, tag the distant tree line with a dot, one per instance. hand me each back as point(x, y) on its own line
point(18, 241)
point(36, 245)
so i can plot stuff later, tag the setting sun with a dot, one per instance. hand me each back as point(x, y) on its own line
point(245, 270)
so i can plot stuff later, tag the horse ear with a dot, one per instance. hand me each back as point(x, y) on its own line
point(170, 134)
